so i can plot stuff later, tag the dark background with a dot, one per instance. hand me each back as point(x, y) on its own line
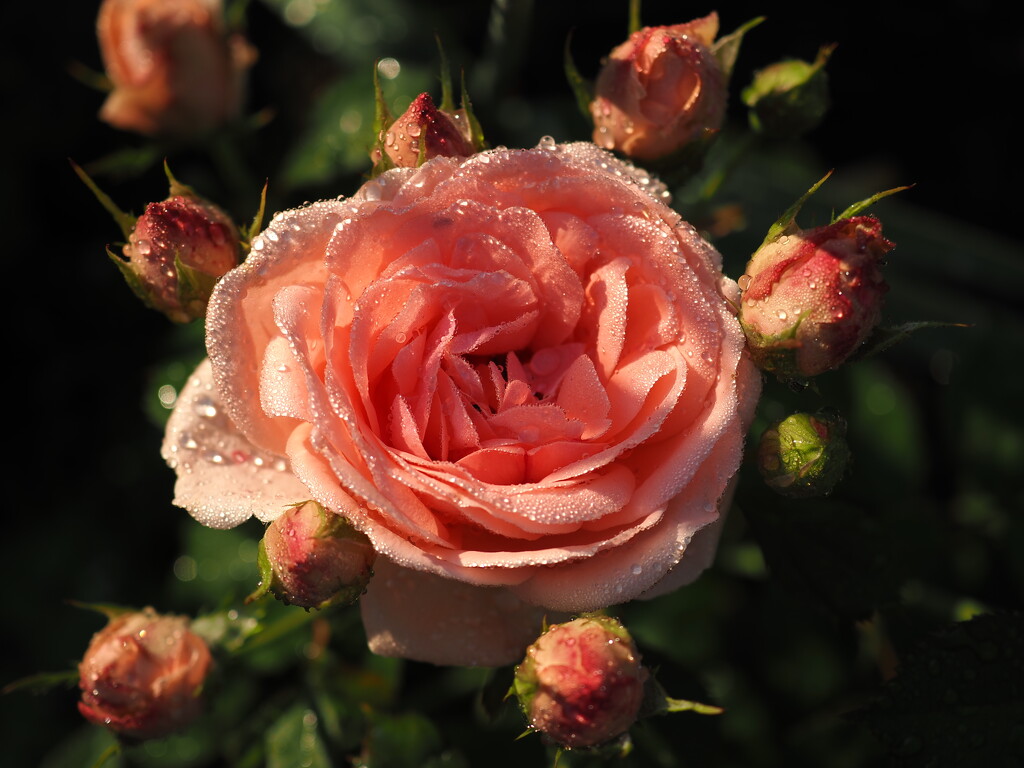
point(919, 98)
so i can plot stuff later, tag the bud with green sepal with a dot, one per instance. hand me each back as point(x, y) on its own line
point(804, 454)
point(313, 558)
point(176, 251)
point(424, 130)
point(581, 683)
point(789, 98)
point(811, 297)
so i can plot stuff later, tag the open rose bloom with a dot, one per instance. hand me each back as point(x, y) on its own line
point(519, 374)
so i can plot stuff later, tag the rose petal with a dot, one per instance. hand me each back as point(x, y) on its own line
point(222, 478)
point(415, 615)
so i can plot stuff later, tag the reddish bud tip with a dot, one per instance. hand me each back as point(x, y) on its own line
point(424, 131)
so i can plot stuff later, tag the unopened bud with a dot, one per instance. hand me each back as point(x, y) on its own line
point(789, 98)
point(804, 455)
point(660, 91)
point(581, 683)
point(177, 252)
point(422, 132)
point(142, 675)
point(811, 297)
point(315, 558)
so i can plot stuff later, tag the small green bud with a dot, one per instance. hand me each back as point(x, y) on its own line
point(804, 455)
point(789, 98)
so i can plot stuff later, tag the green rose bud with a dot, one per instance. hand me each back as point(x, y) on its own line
point(804, 455)
point(789, 98)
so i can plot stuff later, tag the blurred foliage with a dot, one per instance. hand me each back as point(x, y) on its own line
point(879, 624)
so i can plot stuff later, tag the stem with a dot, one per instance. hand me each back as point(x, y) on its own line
point(108, 753)
point(277, 630)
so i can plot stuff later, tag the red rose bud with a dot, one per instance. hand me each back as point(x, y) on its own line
point(177, 251)
point(176, 72)
point(581, 683)
point(811, 297)
point(142, 674)
point(789, 98)
point(660, 91)
point(804, 455)
point(423, 132)
point(316, 558)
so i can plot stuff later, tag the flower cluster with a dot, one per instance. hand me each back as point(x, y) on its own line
point(488, 388)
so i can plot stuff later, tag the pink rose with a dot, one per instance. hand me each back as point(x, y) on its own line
point(812, 296)
point(142, 674)
point(660, 90)
point(176, 72)
point(519, 374)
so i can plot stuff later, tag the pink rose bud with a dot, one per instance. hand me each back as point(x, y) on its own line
point(176, 72)
point(424, 131)
point(177, 251)
point(581, 683)
point(811, 297)
point(142, 674)
point(803, 454)
point(660, 91)
point(316, 558)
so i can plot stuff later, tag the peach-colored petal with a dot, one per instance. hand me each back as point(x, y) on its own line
point(419, 616)
point(519, 374)
point(222, 478)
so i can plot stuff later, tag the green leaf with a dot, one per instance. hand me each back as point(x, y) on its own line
point(958, 700)
point(139, 288)
point(110, 610)
point(382, 118)
point(476, 131)
point(883, 338)
point(43, 682)
point(177, 188)
point(657, 702)
point(863, 205)
point(124, 220)
point(194, 287)
point(294, 740)
point(831, 554)
point(447, 97)
point(727, 48)
point(581, 89)
point(257, 221)
point(266, 574)
point(787, 221)
point(402, 741)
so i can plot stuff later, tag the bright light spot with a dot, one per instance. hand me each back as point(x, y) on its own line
point(298, 13)
point(351, 121)
point(167, 395)
point(389, 68)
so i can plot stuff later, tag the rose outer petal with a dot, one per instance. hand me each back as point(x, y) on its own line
point(419, 616)
point(222, 478)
